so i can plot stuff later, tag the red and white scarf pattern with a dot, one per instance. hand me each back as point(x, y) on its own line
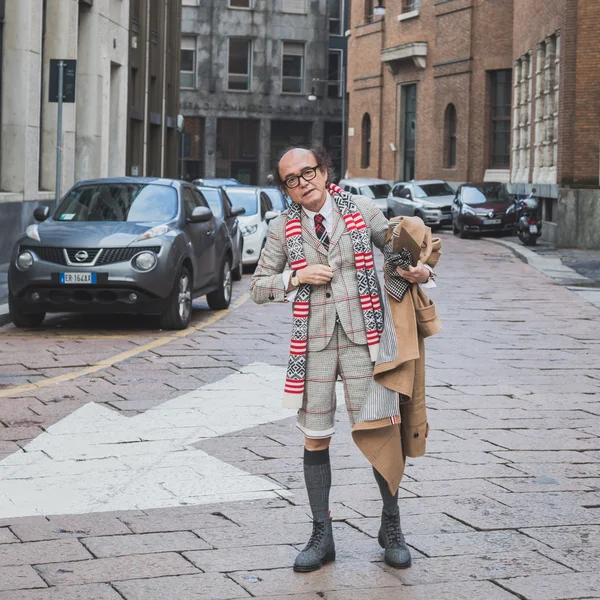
point(367, 285)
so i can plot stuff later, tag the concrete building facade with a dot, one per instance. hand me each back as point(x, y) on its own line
point(99, 35)
point(248, 68)
point(472, 90)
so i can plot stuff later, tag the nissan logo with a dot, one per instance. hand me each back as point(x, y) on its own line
point(81, 256)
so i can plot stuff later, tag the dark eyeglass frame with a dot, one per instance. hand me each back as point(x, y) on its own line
point(304, 174)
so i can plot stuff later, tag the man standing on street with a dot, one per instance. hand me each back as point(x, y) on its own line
point(318, 255)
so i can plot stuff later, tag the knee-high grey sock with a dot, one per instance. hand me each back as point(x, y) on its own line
point(317, 475)
point(390, 502)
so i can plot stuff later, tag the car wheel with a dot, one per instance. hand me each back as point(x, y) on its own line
point(221, 297)
point(237, 273)
point(462, 233)
point(178, 313)
point(23, 319)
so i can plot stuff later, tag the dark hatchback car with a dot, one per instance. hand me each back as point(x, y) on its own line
point(221, 206)
point(127, 245)
point(481, 208)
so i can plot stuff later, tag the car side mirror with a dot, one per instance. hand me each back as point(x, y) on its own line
point(236, 211)
point(201, 214)
point(41, 213)
point(271, 214)
point(456, 201)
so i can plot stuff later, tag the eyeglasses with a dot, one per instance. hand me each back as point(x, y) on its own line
point(308, 175)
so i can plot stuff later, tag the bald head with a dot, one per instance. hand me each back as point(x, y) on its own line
point(296, 162)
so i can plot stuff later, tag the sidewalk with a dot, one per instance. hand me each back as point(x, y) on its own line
point(578, 270)
point(4, 318)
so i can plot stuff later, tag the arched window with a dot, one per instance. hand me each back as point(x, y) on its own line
point(450, 137)
point(368, 11)
point(365, 156)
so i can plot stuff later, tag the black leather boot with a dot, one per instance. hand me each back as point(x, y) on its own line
point(391, 538)
point(319, 550)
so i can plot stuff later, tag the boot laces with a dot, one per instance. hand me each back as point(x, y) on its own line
point(318, 533)
point(393, 531)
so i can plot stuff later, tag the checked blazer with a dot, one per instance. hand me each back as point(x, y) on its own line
point(340, 296)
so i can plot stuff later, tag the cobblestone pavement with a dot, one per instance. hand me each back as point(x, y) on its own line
point(505, 504)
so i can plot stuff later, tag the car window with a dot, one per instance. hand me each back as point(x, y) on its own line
point(277, 199)
point(405, 193)
point(353, 190)
point(265, 203)
point(245, 198)
point(433, 189)
point(199, 199)
point(131, 202)
point(379, 190)
point(397, 190)
point(189, 201)
point(213, 198)
point(227, 202)
point(479, 194)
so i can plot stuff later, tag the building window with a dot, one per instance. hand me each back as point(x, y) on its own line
point(294, 6)
point(547, 76)
point(336, 17)
point(410, 5)
point(292, 69)
point(500, 100)
point(365, 155)
point(239, 64)
point(521, 128)
point(240, 3)
point(408, 103)
point(187, 76)
point(189, 2)
point(334, 75)
point(368, 11)
point(450, 137)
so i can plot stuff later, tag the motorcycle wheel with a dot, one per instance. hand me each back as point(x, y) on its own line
point(531, 241)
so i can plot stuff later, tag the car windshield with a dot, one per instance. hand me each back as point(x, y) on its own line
point(480, 194)
point(245, 198)
point(214, 201)
point(377, 190)
point(216, 182)
point(276, 198)
point(131, 202)
point(433, 189)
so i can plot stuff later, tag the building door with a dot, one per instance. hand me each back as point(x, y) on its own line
point(409, 131)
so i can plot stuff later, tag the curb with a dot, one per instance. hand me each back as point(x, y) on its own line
point(553, 267)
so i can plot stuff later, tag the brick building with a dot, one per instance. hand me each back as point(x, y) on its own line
point(502, 90)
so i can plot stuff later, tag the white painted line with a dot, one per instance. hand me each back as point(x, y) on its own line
point(98, 460)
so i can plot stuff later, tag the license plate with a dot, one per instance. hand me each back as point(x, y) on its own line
point(533, 229)
point(492, 221)
point(67, 278)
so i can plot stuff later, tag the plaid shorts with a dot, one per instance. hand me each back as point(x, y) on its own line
point(352, 363)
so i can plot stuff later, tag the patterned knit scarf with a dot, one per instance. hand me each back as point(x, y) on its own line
point(367, 286)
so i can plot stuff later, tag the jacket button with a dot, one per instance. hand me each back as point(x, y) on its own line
point(271, 297)
point(327, 295)
point(416, 435)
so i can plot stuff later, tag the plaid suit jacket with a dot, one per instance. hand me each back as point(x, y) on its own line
point(340, 296)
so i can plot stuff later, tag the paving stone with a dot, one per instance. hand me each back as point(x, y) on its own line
point(545, 484)
point(337, 576)
point(6, 536)
point(555, 587)
point(455, 544)
point(19, 433)
point(148, 543)
point(579, 559)
point(566, 537)
point(414, 524)
point(30, 553)
point(458, 471)
point(56, 527)
point(565, 457)
point(210, 586)
point(232, 559)
point(173, 521)
point(456, 487)
point(72, 592)
point(104, 570)
point(20, 578)
point(475, 590)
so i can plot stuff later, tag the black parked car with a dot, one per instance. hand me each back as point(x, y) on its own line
point(127, 245)
point(221, 206)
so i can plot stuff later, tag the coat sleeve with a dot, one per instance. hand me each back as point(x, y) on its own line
point(267, 282)
point(374, 218)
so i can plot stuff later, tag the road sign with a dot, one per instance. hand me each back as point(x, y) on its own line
point(69, 72)
point(97, 460)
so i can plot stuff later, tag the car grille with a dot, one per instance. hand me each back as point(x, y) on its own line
point(107, 255)
point(446, 210)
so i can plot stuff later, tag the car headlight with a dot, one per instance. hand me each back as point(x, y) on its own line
point(33, 232)
point(466, 210)
point(155, 231)
point(145, 261)
point(510, 209)
point(249, 229)
point(25, 261)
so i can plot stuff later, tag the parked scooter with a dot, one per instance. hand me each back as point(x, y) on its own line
point(528, 220)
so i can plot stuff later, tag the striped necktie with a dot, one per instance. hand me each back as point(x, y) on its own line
point(321, 231)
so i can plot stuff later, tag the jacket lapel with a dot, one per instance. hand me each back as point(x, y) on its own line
point(309, 236)
point(339, 226)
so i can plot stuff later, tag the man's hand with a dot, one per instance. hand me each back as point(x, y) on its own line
point(418, 274)
point(315, 274)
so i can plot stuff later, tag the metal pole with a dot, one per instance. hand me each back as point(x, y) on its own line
point(182, 147)
point(59, 136)
point(343, 173)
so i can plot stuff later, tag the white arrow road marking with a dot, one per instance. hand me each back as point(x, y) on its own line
point(97, 460)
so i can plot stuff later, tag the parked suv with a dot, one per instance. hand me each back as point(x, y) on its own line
point(429, 199)
point(375, 189)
